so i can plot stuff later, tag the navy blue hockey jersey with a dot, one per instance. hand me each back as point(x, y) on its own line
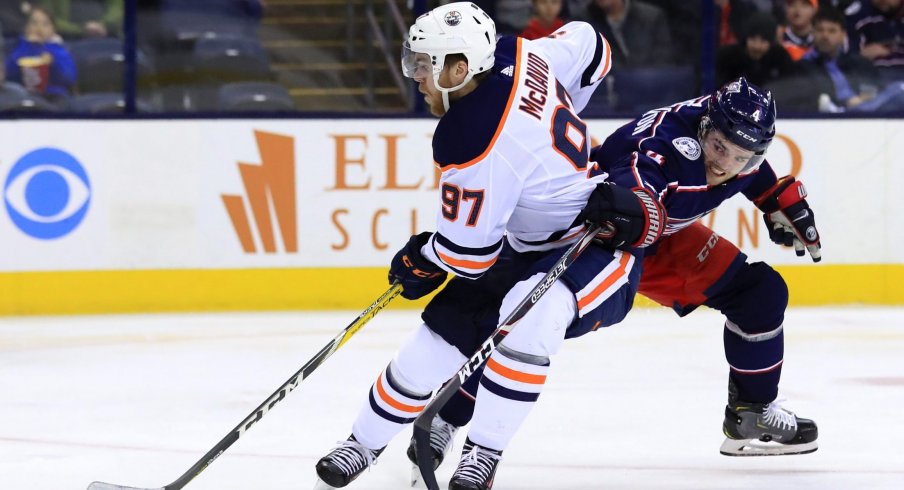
point(660, 151)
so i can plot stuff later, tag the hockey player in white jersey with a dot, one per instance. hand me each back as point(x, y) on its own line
point(514, 161)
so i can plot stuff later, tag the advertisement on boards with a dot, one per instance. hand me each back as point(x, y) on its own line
point(347, 193)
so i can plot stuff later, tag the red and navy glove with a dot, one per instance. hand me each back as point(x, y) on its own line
point(630, 217)
point(418, 275)
point(789, 219)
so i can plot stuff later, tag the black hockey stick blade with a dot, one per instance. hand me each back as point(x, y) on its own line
point(423, 421)
point(338, 341)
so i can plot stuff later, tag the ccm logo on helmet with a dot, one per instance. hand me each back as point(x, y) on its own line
point(745, 135)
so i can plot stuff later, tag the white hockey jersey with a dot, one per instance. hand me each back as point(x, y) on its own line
point(514, 154)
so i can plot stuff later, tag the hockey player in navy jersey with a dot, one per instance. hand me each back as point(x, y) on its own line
point(515, 176)
point(694, 155)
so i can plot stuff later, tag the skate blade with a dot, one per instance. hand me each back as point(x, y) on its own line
point(322, 485)
point(417, 481)
point(755, 447)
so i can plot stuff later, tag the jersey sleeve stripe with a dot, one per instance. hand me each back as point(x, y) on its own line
point(608, 64)
point(467, 262)
point(587, 77)
point(461, 250)
point(634, 157)
point(606, 283)
point(502, 120)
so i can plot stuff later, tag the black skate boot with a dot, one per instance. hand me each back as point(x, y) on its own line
point(765, 429)
point(441, 435)
point(476, 469)
point(343, 464)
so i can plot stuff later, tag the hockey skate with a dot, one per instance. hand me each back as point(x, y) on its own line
point(765, 429)
point(476, 469)
point(441, 435)
point(343, 464)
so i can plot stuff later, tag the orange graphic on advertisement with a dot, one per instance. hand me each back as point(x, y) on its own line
point(271, 181)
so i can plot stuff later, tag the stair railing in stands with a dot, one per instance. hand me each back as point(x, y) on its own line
point(393, 28)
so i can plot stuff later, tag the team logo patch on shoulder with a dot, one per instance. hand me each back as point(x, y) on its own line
point(452, 18)
point(687, 147)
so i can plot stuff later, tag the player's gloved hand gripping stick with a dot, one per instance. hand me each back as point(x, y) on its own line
point(258, 413)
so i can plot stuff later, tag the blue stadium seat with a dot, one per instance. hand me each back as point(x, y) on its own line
point(638, 90)
point(219, 60)
point(8, 87)
point(254, 96)
point(103, 103)
point(101, 63)
point(16, 102)
point(226, 59)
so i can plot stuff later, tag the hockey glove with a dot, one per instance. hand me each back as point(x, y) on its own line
point(630, 217)
point(418, 275)
point(789, 219)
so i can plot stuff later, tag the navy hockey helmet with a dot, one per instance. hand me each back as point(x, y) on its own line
point(745, 114)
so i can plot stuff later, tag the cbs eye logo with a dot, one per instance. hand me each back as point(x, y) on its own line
point(47, 193)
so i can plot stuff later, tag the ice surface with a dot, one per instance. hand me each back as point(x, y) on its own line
point(136, 400)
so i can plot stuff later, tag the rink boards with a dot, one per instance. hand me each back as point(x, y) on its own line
point(192, 215)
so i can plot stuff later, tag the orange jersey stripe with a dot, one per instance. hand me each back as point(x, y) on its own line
point(504, 118)
point(393, 403)
point(466, 264)
point(536, 379)
point(614, 276)
point(608, 57)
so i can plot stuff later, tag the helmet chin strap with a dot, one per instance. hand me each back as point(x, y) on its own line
point(445, 91)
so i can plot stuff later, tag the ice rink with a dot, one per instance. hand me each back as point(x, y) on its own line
point(136, 400)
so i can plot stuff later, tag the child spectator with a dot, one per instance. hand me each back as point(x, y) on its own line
point(797, 36)
point(547, 18)
point(758, 56)
point(39, 61)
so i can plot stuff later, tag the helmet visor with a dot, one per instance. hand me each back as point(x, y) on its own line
point(415, 64)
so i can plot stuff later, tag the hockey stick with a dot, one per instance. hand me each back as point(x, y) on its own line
point(424, 420)
point(258, 413)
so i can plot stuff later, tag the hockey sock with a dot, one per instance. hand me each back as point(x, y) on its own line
point(403, 389)
point(509, 388)
point(459, 409)
point(755, 361)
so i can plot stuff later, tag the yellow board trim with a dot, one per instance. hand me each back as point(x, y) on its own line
point(84, 292)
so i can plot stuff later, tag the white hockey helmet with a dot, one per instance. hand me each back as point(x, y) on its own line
point(460, 27)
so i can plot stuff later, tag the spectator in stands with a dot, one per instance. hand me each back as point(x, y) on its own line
point(685, 27)
point(733, 14)
point(547, 18)
point(39, 61)
point(76, 19)
point(758, 56)
point(876, 30)
point(637, 32)
point(512, 16)
point(829, 79)
point(797, 35)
